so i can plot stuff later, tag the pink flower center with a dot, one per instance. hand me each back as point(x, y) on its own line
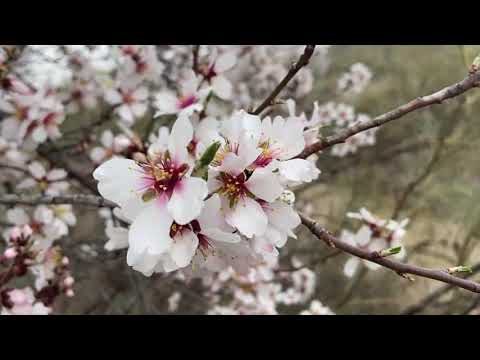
point(187, 101)
point(163, 176)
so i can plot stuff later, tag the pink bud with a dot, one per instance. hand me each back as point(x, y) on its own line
point(10, 253)
point(70, 293)
point(69, 281)
point(65, 261)
point(27, 231)
point(15, 233)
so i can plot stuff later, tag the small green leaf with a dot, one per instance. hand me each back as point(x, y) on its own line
point(390, 251)
point(459, 269)
point(209, 155)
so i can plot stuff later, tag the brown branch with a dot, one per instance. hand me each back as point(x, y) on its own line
point(400, 268)
point(470, 82)
point(78, 199)
point(15, 168)
point(416, 308)
point(302, 61)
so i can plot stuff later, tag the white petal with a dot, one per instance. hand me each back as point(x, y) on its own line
point(98, 154)
point(183, 248)
point(125, 113)
point(139, 109)
point(248, 217)
point(298, 170)
point(113, 97)
point(166, 103)
point(118, 180)
point(283, 217)
point(351, 266)
point(219, 235)
point(186, 202)
point(107, 139)
point(26, 183)
point(10, 127)
point(264, 185)
point(363, 236)
point(117, 238)
point(17, 216)
point(56, 174)
point(225, 62)
point(180, 137)
point(37, 169)
point(222, 87)
point(39, 134)
point(150, 232)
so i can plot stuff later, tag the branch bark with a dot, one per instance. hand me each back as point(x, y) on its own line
point(400, 268)
point(78, 199)
point(470, 82)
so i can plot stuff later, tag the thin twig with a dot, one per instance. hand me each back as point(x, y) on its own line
point(470, 82)
point(400, 268)
point(302, 61)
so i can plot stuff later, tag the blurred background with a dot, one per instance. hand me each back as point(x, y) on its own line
point(424, 167)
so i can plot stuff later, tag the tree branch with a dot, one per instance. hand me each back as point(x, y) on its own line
point(400, 268)
point(302, 61)
point(470, 82)
point(78, 199)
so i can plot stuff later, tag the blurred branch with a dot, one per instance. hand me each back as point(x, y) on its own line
point(414, 309)
point(400, 268)
point(302, 61)
point(78, 199)
point(470, 82)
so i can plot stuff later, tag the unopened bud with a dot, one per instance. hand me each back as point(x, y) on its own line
point(459, 269)
point(70, 293)
point(390, 251)
point(68, 281)
point(10, 253)
point(65, 261)
point(15, 233)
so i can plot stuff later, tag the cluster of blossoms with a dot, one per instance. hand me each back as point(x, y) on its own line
point(208, 195)
point(336, 116)
point(263, 291)
point(28, 255)
point(355, 80)
point(212, 196)
point(373, 235)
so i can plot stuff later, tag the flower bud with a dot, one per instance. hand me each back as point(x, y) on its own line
point(68, 281)
point(70, 293)
point(10, 253)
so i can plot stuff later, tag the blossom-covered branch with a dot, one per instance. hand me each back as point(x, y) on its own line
point(470, 82)
point(374, 256)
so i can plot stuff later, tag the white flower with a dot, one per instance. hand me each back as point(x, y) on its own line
point(111, 145)
point(131, 101)
point(158, 197)
point(282, 219)
point(214, 74)
point(189, 100)
point(52, 182)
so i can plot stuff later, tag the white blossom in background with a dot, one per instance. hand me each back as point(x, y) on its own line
point(355, 80)
point(374, 235)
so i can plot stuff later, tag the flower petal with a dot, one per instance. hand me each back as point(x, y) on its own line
point(264, 185)
point(186, 202)
point(248, 217)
